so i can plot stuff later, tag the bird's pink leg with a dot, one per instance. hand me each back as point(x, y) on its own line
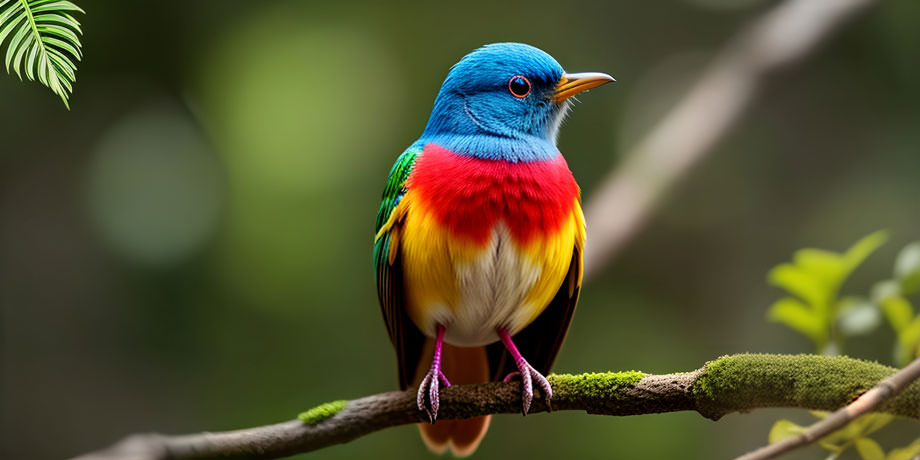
point(527, 372)
point(432, 379)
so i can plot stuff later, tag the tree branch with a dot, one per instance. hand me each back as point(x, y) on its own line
point(623, 202)
point(737, 383)
point(885, 390)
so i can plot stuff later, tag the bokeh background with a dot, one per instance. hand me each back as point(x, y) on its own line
point(189, 248)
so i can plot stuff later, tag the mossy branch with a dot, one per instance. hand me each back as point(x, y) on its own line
point(886, 391)
point(736, 383)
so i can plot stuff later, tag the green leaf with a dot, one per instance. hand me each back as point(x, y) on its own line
point(799, 282)
point(875, 421)
point(869, 449)
point(907, 268)
point(910, 335)
point(902, 355)
point(861, 426)
point(815, 278)
point(21, 33)
point(909, 342)
point(784, 429)
point(854, 432)
point(42, 6)
point(7, 25)
point(24, 46)
point(846, 434)
point(863, 248)
point(898, 311)
point(836, 449)
point(905, 453)
point(800, 317)
point(824, 265)
point(60, 18)
point(42, 34)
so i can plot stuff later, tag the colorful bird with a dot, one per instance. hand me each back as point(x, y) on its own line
point(480, 235)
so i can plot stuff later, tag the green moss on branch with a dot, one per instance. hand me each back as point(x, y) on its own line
point(593, 385)
point(749, 381)
point(322, 412)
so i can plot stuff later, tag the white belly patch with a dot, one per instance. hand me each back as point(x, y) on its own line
point(493, 291)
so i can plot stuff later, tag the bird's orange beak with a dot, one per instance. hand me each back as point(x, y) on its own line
point(573, 83)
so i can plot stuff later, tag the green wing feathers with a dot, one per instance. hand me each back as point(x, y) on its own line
point(406, 338)
point(395, 187)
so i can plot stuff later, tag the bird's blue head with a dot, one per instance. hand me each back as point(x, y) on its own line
point(505, 101)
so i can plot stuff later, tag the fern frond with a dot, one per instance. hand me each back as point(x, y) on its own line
point(43, 42)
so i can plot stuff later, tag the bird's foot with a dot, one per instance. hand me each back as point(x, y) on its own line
point(432, 381)
point(429, 387)
point(529, 377)
point(528, 374)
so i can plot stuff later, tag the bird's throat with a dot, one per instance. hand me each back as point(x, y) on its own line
point(523, 149)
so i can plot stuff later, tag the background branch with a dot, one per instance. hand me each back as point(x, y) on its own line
point(706, 114)
point(728, 384)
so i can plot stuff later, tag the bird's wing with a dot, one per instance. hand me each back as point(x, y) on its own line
point(540, 341)
point(404, 335)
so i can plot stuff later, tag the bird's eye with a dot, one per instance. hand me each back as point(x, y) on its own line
point(519, 86)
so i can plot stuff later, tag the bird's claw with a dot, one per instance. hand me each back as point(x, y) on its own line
point(529, 375)
point(430, 386)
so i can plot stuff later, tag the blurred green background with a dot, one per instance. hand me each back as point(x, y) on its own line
point(190, 247)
